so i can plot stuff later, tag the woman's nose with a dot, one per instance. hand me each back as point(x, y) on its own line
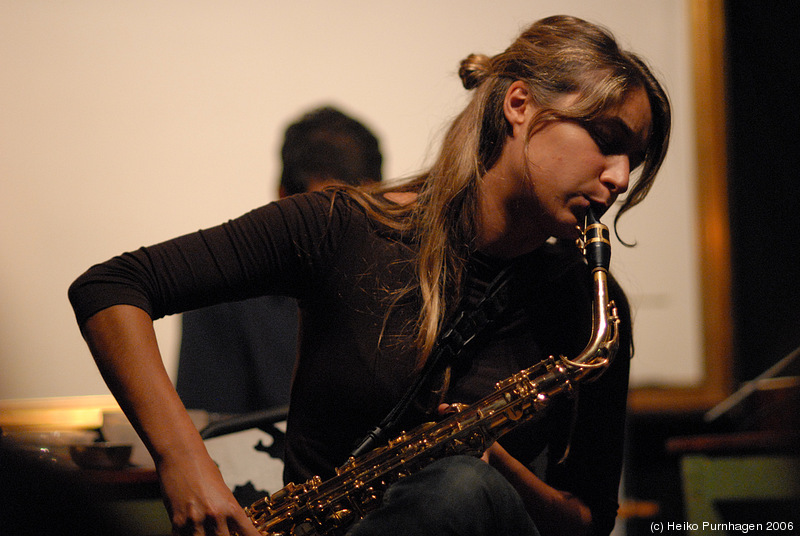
point(617, 174)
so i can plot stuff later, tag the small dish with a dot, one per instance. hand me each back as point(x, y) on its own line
point(101, 455)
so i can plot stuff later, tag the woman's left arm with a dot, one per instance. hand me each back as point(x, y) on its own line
point(554, 512)
point(592, 470)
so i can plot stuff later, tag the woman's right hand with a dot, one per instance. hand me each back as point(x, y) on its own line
point(124, 345)
point(198, 500)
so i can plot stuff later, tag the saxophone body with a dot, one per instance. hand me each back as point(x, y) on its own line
point(330, 508)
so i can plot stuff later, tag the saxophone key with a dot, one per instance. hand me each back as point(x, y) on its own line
point(280, 495)
point(398, 440)
point(340, 518)
point(349, 464)
point(541, 401)
point(514, 412)
point(305, 528)
point(371, 499)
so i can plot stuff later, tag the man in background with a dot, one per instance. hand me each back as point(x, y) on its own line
point(239, 357)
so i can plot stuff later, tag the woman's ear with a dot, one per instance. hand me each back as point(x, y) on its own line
point(517, 106)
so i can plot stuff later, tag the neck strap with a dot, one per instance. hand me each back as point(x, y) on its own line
point(461, 330)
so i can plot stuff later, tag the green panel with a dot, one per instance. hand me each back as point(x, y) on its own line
point(710, 480)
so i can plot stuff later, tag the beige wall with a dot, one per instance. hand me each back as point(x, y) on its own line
point(125, 123)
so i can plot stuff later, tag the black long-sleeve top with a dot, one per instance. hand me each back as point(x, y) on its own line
point(355, 362)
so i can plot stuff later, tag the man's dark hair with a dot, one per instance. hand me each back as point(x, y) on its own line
point(326, 144)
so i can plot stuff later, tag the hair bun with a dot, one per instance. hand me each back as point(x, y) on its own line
point(474, 70)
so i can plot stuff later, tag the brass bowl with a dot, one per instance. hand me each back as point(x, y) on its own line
point(101, 455)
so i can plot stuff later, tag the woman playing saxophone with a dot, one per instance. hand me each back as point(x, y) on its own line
point(556, 125)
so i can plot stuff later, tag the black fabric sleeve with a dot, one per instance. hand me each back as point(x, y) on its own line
point(275, 249)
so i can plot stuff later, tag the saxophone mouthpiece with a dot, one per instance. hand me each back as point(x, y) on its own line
point(590, 218)
point(597, 242)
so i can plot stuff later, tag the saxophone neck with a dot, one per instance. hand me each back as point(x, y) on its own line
point(596, 246)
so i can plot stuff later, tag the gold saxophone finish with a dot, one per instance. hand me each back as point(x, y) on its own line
point(330, 508)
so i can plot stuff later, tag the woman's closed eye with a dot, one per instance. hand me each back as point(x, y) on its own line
point(613, 137)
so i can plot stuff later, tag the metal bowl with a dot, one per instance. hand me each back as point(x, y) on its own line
point(101, 455)
point(49, 446)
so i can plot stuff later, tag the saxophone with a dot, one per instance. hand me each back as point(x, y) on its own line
point(330, 508)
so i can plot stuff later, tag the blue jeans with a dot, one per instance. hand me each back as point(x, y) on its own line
point(457, 496)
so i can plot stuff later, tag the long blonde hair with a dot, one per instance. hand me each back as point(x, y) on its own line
point(555, 56)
